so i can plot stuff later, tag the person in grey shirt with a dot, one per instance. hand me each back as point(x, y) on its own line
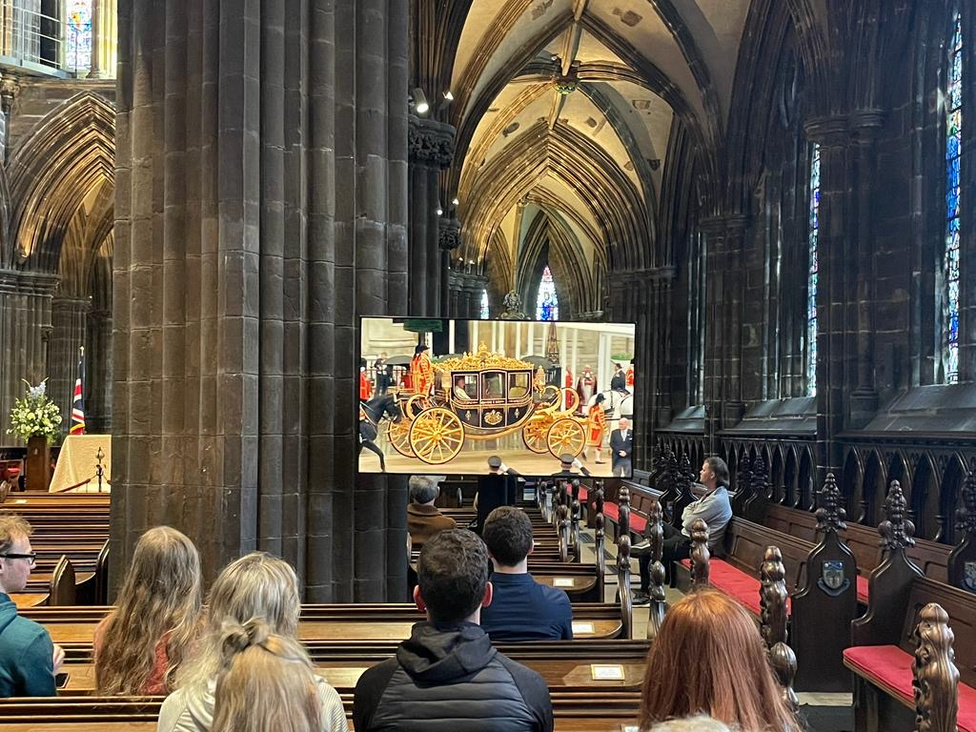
point(714, 508)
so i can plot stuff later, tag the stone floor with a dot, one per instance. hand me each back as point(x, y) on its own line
point(822, 712)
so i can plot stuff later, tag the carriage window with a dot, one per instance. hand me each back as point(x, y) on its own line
point(466, 387)
point(518, 385)
point(493, 386)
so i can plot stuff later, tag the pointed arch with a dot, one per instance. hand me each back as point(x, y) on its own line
point(64, 158)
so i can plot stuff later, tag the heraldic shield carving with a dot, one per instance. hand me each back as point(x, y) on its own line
point(832, 578)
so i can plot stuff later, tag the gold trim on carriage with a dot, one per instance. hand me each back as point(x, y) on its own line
point(483, 396)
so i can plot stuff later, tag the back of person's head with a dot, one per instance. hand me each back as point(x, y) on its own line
point(12, 528)
point(508, 535)
point(422, 489)
point(720, 469)
point(160, 599)
point(452, 574)
point(708, 658)
point(266, 682)
point(698, 723)
point(258, 585)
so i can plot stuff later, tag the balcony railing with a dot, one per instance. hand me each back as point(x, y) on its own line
point(41, 42)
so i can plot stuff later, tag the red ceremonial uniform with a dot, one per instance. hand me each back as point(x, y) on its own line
point(596, 426)
point(630, 376)
point(365, 387)
point(422, 373)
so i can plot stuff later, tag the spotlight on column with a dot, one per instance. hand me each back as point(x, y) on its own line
point(455, 202)
point(420, 101)
point(440, 211)
point(449, 95)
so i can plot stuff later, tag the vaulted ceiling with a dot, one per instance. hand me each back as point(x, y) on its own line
point(567, 109)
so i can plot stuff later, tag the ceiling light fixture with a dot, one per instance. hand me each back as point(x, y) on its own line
point(420, 101)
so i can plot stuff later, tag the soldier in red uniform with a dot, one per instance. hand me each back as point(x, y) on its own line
point(421, 371)
point(596, 428)
point(365, 386)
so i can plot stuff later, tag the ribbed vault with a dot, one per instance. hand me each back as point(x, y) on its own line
point(64, 162)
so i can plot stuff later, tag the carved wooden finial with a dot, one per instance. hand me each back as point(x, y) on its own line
point(760, 480)
point(563, 513)
point(830, 515)
point(935, 676)
point(623, 562)
point(699, 554)
point(897, 531)
point(599, 520)
point(623, 522)
point(966, 515)
point(685, 476)
point(655, 536)
point(772, 599)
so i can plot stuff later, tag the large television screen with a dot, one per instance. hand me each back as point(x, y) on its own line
point(441, 396)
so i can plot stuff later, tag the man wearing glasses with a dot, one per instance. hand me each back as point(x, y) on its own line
point(28, 658)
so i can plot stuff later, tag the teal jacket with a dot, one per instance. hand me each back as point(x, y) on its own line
point(26, 655)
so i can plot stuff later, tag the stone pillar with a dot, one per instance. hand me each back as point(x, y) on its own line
point(25, 328)
point(725, 236)
point(864, 397)
point(98, 390)
point(834, 268)
point(69, 326)
point(431, 151)
point(261, 204)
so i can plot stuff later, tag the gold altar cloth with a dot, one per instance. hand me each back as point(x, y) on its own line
point(76, 464)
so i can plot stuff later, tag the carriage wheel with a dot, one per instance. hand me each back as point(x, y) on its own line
point(398, 433)
point(534, 435)
point(565, 436)
point(573, 397)
point(437, 436)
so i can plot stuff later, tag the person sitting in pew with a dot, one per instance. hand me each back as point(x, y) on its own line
point(423, 517)
point(521, 609)
point(448, 676)
point(714, 508)
point(709, 658)
point(267, 681)
point(28, 658)
point(257, 585)
point(142, 643)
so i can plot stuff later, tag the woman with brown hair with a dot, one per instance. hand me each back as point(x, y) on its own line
point(709, 658)
point(141, 643)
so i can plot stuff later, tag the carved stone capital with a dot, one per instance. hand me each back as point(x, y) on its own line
point(832, 131)
point(14, 281)
point(448, 233)
point(430, 142)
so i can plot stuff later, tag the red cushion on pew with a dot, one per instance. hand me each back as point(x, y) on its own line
point(637, 523)
point(862, 589)
point(583, 494)
point(610, 510)
point(733, 582)
point(891, 667)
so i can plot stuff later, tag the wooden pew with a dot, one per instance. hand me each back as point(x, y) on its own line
point(884, 643)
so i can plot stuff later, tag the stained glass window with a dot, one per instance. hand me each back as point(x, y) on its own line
point(547, 304)
point(813, 271)
point(485, 313)
point(950, 359)
point(78, 34)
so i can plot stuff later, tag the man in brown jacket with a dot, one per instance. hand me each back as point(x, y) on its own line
point(423, 518)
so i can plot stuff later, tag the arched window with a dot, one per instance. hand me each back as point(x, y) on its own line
point(547, 304)
point(77, 34)
point(953, 151)
point(813, 271)
point(485, 312)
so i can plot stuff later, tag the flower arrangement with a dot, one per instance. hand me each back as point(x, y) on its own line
point(35, 415)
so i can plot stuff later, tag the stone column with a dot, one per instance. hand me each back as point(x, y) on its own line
point(25, 328)
point(431, 151)
point(98, 390)
point(261, 204)
point(834, 267)
point(69, 326)
point(864, 397)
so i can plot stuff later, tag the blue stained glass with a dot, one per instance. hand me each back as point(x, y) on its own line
point(485, 312)
point(813, 272)
point(78, 34)
point(547, 303)
point(953, 195)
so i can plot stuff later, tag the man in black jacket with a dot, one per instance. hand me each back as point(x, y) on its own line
point(498, 488)
point(448, 677)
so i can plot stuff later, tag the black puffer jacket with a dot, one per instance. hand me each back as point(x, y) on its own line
point(449, 678)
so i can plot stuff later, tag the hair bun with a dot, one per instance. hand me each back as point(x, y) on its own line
point(236, 638)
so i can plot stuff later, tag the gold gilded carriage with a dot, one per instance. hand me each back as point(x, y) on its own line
point(484, 396)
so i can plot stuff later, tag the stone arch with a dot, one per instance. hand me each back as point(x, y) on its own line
point(851, 485)
point(789, 477)
point(874, 490)
point(70, 153)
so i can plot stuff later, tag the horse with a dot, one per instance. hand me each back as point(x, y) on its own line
point(371, 414)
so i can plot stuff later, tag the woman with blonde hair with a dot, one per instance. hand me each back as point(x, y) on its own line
point(257, 585)
point(709, 658)
point(145, 640)
point(266, 682)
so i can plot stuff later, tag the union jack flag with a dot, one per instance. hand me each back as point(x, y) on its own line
point(78, 403)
